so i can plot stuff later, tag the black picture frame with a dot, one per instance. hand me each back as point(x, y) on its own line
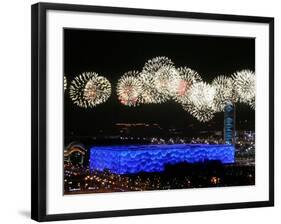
point(38, 108)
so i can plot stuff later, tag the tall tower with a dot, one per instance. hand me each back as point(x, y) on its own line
point(229, 124)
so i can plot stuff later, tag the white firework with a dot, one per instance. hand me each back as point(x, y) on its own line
point(64, 83)
point(187, 77)
point(76, 89)
point(154, 64)
point(202, 93)
point(204, 113)
point(245, 86)
point(88, 89)
point(129, 88)
point(153, 77)
point(200, 102)
point(166, 80)
point(149, 93)
point(224, 92)
point(252, 104)
point(97, 90)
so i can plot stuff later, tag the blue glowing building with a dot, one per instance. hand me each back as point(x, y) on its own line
point(153, 158)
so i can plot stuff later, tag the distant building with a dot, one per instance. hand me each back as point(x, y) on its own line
point(74, 153)
point(229, 124)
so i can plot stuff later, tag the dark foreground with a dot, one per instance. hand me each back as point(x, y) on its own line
point(79, 180)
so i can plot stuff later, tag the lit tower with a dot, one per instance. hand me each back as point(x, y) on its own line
point(229, 124)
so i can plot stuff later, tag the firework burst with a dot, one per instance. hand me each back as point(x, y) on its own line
point(224, 92)
point(182, 85)
point(129, 88)
point(154, 64)
point(64, 83)
point(88, 89)
point(200, 102)
point(154, 78)
point(166, 80)
point(252, 104)
point(76, 89)
point(203, 113)
point(149, 93)
point(157, 87)
point(97, 90)
point(244, 85)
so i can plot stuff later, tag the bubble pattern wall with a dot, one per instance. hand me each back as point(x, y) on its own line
point(131, 159)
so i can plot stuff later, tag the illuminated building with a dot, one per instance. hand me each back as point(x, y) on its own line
point(153, 158)
point(74, 150)
point(229, 124)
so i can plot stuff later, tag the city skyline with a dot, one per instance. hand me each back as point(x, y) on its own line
point(169, 126)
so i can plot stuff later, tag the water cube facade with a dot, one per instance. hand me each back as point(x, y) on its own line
point(153, 158)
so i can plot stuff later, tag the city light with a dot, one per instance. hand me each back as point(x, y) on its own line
point(150, 112)
point(86, 178)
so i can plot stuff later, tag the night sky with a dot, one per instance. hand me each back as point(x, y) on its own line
point(111, 54)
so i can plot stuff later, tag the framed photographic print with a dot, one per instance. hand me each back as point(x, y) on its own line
point(138, 111)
